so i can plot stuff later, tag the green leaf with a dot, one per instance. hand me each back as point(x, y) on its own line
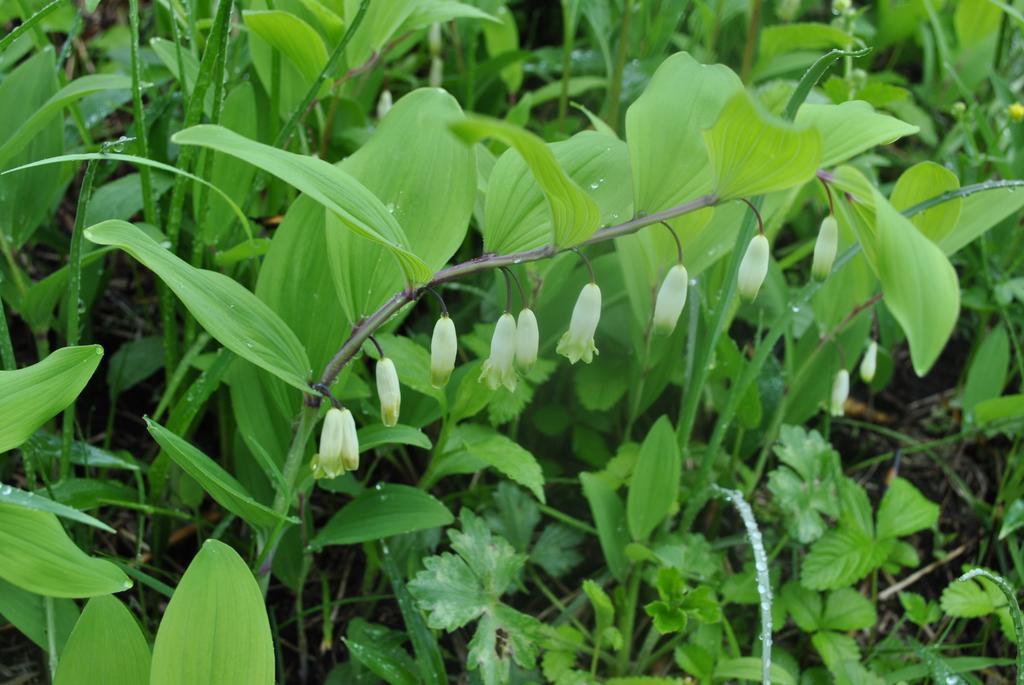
point(106, 647)
point(753, 152)
point(846, 610)
point(782, 38)
point(981, 211)
point(924, 181)
point(220, 484)
point(970, 599)
point(292, 37)
point(804, 606)
point(851, 128)
point(517, 216)
point(505, 455)
point(841, 557)
point(919, 285)
point(377, 434)
point(663, 129)
point(379, 649)
point(655, 484)
point(918, 610)
point(40, 557)
point(26, 611)
point(608, 513)
point(49, 110)
point(904, 511)
point(215, 629)
point(1000, 408)
point(30, 500)
point(426, 179)
point(357, 208)
point(31, 396)
point(221, 305)
point(1013, 518)
point(835, 648)
point(986, 376)
point(749, 668)
point(806, 487)
point(574, 215)
point(604, 610)
point(381, 512)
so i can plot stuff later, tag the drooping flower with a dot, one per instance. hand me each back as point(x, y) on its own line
point(384, 103)
point(389, 390)
point(753, 268)
point(671, 300)
point(869, 363)
point(329, 462)
point(444, 348)
point(840, 391)
point(578, 342)
point(825, 248)
point(350, 441)
point(527, 339)
point(499, 368)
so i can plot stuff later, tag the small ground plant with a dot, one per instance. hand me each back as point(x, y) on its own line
point(639, 342)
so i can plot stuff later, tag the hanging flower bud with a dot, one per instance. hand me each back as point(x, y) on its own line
point(328, 462)
point(840, 391)
point(753, 268)
point(825, 248)
point(443, 350)
point(671, 300)
point(389, 391)
point(499, 368)
point(869, 363)
point(578, 342)
point(384, 103)
point(527, 339)
point(350, 441)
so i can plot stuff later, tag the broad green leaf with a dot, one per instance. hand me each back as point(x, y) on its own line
point(231, 175)
point(428, 12)
point(504, 454)
point(804, 606)
point(608, 513)
point(357, 207)
point(380, 650)
point(381, 512)
point(26, 611)
point(40, 557)
point(919, 284)
point(851, 128)
point(655, 484)
point(749, 668)
point(924, 181)
point(904, 511)
point(31, 197)
point(574, 215)
point(836, 648)
point(782, 38)
point(1000, 408)
point(167, 51)
point(970, 599)
point(426, 179)
point(986, 376)
point(215, 629)
point(292, 37)
point(31, 396)
point(753, 152)
point(221, 305)
point(846, 609)
point(30, 500)
point(981, 211)
point(41, 117)
point(663, 130)
point(841, 557)
point(377, 434)
point(380, 23)
point(106, 647)
point(502, 36)
point(516, 216)
point(220, 484)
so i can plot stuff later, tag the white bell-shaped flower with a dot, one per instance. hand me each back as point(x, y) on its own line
point(869, 363)
point(671, 300)
point(389, 390)
point(840, 391)
point(444, 347)
point(384, 103)
point(753, 268)
point(499, 368)
point(578, 342)
point(330, 461)
point(527, 339)
point(825, 248)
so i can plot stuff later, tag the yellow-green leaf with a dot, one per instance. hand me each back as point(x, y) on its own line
point(221, 305)
point(922, 182)
point(851, 128)
point(292, 37)
point(753, 152)
point(106, 646)
point(574, 216)
point(31, 396)
point(215, 630)
point(38, 556)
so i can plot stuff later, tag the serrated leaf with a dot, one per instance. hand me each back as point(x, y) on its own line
point(846, 609)
point(804, 606)
point(841, 557)
point(835, 648)
point(505, 455)
point(753, 152)
point(904, 511)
